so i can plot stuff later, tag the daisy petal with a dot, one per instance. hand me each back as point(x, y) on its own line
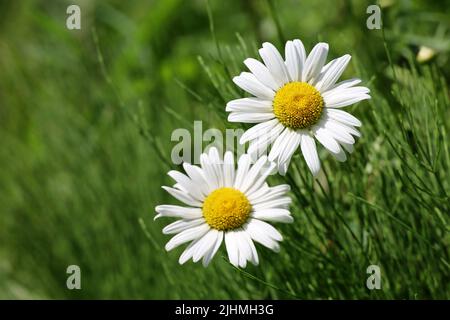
point(329, 77)
point(274, 62)
point(178, 212)
point(343, 85)
point(327, 140)
point(261, 73)
point(243, 166)
point(228, 169)
point(186, 236)
point(187, 184)
point(249, 105)
point(258, 146)
point(292, 61)
point(197, 176)
point(348, 147)
point(232, 248)
point(290, 148)
point(270, 194)
point(258, 130)
point(248, 82)
point(212, 252)
point(343, 117)
point(205, 244)
point(309, 151)
point(275, 215)
point(340, 99)
point(181, 225)
point(183, 197)
point(250, 117)
point(282, 202)
point(258, 234)
point(340, 156)
point(252, 174)
point(315, 62)
point(280, 142)
point(254, 253)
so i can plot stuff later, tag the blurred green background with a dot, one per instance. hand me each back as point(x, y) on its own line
point(85, 123)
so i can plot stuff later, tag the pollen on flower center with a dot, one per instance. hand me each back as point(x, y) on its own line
point(298, 105)
point(226, 208)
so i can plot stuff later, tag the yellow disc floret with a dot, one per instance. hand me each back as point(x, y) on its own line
point(226, 209)
point(298, 105)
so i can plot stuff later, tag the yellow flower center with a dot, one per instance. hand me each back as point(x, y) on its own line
point(226, 208)
point(298, 105)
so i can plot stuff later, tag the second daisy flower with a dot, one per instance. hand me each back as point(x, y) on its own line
point(297, 99)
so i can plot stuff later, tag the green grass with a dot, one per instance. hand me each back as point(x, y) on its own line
point(85, 124)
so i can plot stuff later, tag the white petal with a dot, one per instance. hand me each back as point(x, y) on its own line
point(258, 130)
point(276, 215)
point(252, 174)
point(261, 179)
point(228, 169)
point(183, 197)
point(329, 77)
point(205, 244)
point(188, 252)
point(326, 139)
point(290, 148)
point(301, 53)
point(282, 168)
point(187, 184)
point(270, 194)
point(249, 105)
point(340, 100)
point(340, 156)
point(198, 177)
point(243, 166)
point(343, 90)
point(292, 61)
point(178, 212)
point(267, 229)
point(258, 234)
point(181, 225)
point(211, 253)
point(259, 193)
point(295, 59)
point(210, 172)
point(232, 248)
point(248, 82)
point(261, 73)
point(343, 117)
point(186, 236)
point(343, 85)
point(281, 202)
point(309, 151)
point(274, 62)
point(259, 146)
point(254, 253)
point(245, 253)
point(341, 132)
point(348, 147)
point(315, 62)
point(250, 117)
point(216, 164)
point(279, 144)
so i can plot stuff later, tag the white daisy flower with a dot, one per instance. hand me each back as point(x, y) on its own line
point(225, 203)
point(296, 100)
